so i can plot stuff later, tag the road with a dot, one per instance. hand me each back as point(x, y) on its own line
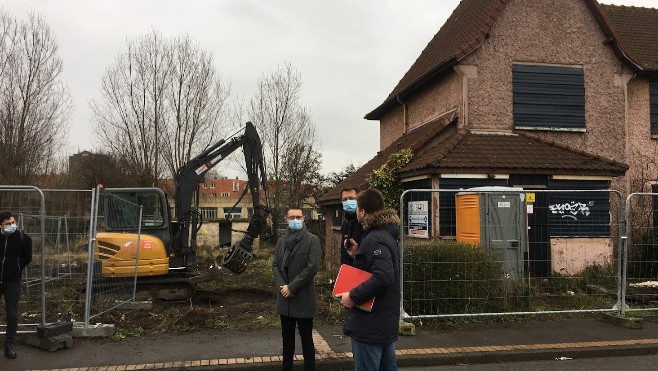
point(638, 363)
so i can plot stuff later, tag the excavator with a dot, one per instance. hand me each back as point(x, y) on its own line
point(162, 249)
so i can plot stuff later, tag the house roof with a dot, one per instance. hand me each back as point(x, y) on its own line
point(631, 32)
point(636, 30)
point(414, 140)
point(466, 28)
point(508, 153)
point(439, 147)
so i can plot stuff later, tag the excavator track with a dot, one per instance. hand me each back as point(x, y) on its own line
point(171, 288)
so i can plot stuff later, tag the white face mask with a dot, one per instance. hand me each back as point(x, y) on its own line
point(9, 229)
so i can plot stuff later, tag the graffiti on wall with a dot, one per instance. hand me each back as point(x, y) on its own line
point(571, 210)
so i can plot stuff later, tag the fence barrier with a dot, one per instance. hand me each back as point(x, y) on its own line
point(28, 205)
point(110, 283)
point(640, 253)
point(506, 251)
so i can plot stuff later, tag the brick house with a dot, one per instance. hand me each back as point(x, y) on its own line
point(218, 197)
point(553, 94)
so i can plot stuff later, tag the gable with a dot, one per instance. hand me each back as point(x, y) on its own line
point(630, 32)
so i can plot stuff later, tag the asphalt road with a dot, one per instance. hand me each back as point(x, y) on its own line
point(637, 363)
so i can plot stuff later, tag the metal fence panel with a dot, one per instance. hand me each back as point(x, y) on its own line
point(500, 251)
point(640, 277)
point(28, 205)
point(106, 289)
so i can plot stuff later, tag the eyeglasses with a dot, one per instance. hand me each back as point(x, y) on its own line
point(298, 217)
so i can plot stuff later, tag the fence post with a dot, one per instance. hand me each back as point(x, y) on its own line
point(93, 220)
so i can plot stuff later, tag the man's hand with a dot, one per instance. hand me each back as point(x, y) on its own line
point(353, 247)
point(345, 300)
point(285, 291)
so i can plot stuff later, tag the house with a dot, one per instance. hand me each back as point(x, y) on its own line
point(536, 94)
point(221, 198)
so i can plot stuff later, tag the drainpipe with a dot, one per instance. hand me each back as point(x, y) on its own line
point(404, 115)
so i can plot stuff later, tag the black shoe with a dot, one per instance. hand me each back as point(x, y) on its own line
point(10, 352)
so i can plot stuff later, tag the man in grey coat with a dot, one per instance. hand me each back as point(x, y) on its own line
point(295, 263)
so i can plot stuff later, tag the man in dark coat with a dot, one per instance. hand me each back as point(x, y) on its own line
point(351, 228)
point(15, 254)
point(295, 263)
point(374, 333)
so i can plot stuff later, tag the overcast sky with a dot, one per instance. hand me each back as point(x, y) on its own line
point(350, 53)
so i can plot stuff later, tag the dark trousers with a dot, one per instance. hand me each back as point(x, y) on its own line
point(11, 291)
point(305, 326)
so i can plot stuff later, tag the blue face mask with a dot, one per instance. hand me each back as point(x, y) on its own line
point(349, 206)
point(10, 229)
point(295, 224)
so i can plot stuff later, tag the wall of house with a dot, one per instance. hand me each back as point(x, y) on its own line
point(332, 244)
point(391, 127)
point(422, 107)
point(643, 153)
point(440, 97)
point(570, 256)
point(559, 32)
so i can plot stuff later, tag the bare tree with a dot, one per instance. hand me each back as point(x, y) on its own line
point(288, 136)
point(35, 105)
point(161, 101)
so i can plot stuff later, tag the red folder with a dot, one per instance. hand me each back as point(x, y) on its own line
point(349, 278)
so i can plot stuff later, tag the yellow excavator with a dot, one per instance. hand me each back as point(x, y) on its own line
point(163, 249)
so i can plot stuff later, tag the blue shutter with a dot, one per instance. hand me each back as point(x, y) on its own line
point(548, 96)
point(653, 93)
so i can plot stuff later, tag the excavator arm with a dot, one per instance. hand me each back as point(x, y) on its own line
point(186, 198)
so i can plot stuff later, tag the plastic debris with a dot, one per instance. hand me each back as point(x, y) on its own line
point(563, 359)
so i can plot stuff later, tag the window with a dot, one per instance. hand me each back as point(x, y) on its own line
point(548, 97)
point(122, 209)
point(225, 194)
point(653, 99)
point(205, 185)
point(212, 184)
point(232, 212)
point(236, 186)
point(209, 212)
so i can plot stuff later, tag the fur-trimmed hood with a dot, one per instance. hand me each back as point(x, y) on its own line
point(381, 218)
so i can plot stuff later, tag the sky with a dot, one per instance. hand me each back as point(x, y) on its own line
point(350, 53)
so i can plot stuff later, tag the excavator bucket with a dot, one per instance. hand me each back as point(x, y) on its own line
point(239, 255)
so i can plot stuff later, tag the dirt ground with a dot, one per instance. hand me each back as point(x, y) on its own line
point(233, 302)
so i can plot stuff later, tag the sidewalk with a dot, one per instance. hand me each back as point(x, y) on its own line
point(228, 350)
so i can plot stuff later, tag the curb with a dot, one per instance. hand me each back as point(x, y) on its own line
point(342, 361)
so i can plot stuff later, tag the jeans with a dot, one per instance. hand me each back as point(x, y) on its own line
point(374, 357)
point(305, 326)
point(11, 291)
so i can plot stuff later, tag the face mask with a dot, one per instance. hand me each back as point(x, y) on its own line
point(295, 224)
point(10, 229)
point(349, 206)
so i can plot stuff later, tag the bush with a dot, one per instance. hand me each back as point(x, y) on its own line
point(451, 278)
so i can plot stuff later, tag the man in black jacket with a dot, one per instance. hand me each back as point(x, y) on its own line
point(351, 228)
point(16, 254)
point(374, 333)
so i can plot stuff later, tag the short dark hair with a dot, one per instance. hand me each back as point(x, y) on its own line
point(293, 208)
point(6, 215)
point(370, 200)
point(349, 188)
